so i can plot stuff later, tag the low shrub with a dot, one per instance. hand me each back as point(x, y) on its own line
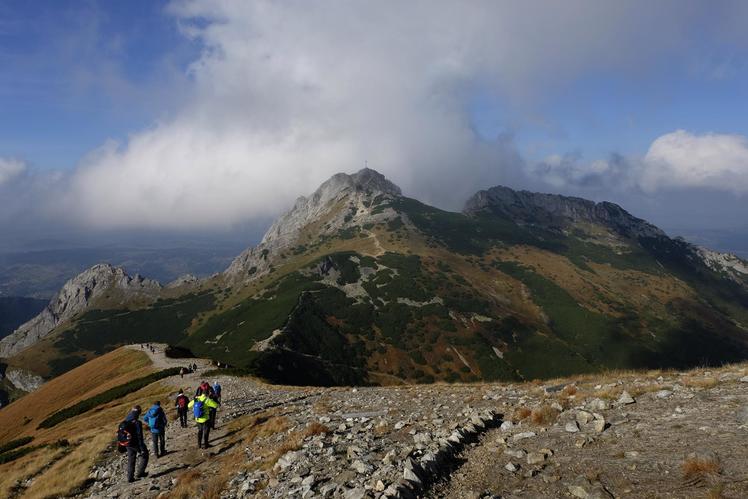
point(7, 457)
point(699, 466)
point(14, 444)
point(112, 394)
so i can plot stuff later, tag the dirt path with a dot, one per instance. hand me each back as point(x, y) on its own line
point(240, 396)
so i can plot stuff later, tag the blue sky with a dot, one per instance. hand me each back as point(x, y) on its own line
point(78, 73)
point(215, 114)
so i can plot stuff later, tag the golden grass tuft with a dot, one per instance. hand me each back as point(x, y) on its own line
point(611, 393)
point(520, 414)
point(703, 383)
point(315, 428)
point(186, 485)
point(699, 466)
point(544, 415)
point(569, 390)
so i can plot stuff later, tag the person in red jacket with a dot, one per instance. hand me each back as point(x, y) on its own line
point(181, 405)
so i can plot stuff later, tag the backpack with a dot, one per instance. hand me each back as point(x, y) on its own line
point(198, 408)
point(217, 389)
point(125, 435)
point(182, 401)
point(153, 418)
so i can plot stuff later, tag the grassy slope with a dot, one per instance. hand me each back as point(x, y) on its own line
point(551, 304)
point(555, 304)
point(89, 433)
point(99, 331)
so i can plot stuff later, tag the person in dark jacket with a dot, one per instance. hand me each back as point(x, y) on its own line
point(181, 405)
point(156, 419)
point(212, 410)
point(136, 447)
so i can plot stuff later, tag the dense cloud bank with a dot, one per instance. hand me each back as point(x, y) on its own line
point(285, 94)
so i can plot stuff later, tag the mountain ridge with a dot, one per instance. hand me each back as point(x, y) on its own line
point(357, 284)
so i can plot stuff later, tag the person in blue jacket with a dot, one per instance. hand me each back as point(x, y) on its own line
point(156, 420)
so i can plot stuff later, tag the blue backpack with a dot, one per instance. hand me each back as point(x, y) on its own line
point(217, 389)
point(198, 408)
point(152, 418)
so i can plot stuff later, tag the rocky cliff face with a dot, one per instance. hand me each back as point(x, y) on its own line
point(77, 295)
point(556, 210)
point(342, 201)
point(725, 263)
point(24, 380)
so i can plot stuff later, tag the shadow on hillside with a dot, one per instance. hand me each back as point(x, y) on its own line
point(169, 470)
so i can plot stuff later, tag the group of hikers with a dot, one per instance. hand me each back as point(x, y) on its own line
point(130, 438)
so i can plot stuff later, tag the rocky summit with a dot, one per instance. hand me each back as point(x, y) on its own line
point(359, 284)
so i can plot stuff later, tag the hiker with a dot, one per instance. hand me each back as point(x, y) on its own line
point(181, 405)
point(212, 411)
point(217, 391)
point(194, 367)
point(130, 436)
point(156, 419)
point(200, 407)
point(181, 372)
point(204, 389)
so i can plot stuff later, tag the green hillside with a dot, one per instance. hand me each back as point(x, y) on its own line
point(377, 288)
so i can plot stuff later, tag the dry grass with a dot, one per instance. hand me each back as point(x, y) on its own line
point(26, 466)
point(611, 393)
point(58, 471)
point(186, 484)
point(703, 383)
point(637, 390)
point(82, 382)
point(694, 467)
point(544, 415)
point(520, 414)
point(569, 390)
point(315, 428)
point(70, 471)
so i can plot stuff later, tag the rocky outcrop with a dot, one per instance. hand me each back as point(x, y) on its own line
point(24, 380)
point(77, 295)
point(343, 201)
point(183, 280)
point(558, 211)
point(725, 263)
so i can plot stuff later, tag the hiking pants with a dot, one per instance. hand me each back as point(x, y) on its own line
point(132, 454)
point(159, 443)
point(203, 432)
point(182, 412)
point(212, 418)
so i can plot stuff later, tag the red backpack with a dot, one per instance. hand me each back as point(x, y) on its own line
point(182, 401)
point(125, 435)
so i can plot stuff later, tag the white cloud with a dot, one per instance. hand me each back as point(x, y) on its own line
point(287, 93)
point(678, 160)
point(10, 169)
point(685, 160)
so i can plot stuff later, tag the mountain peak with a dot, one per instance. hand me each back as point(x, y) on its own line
point(365, 179)
point(343, 201)
point(556, 210)
point(76, 296)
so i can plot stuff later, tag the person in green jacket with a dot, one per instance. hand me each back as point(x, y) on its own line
point(200, 407)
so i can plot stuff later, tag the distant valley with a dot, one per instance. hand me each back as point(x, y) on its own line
point(40, 274)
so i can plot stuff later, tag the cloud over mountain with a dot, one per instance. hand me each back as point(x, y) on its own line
point(282, 100)
point(286, 93)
